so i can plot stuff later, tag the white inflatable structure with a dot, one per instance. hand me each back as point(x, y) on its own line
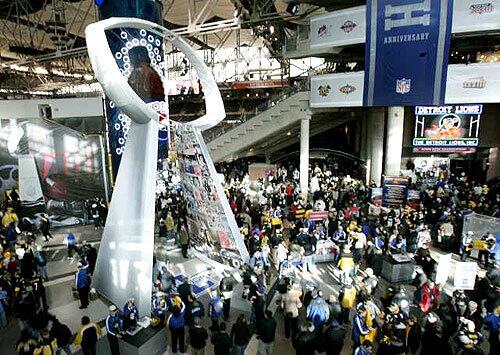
point(124, 265)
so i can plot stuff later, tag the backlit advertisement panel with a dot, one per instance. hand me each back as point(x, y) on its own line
point(451, 128)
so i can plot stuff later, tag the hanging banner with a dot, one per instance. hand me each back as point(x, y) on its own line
point(452, 128)
point(407, 47)
point(477, 82)
point(476, 15)
point(338, 28)
point(337, 90)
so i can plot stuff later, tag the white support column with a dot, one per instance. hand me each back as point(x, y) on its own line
point(376, 148)
point(394, 141)
point(304, 156)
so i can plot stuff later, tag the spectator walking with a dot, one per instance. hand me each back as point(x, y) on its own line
point(83, 282)
point(198, 337)
point(87, 336)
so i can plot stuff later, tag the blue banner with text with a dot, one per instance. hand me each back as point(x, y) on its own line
point(407, 49)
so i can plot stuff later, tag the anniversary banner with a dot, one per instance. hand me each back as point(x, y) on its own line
point(407, 46)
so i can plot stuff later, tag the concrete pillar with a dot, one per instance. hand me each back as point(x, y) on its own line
point(304, 156)
point(376, 147)
point(364, 149)
point(494, 163)
point(394, 141)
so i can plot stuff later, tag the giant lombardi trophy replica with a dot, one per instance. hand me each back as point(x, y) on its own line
point(124, 265)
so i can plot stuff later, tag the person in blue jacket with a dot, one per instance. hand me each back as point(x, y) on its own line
point(71, 244)
point(359, 326)
point(364, 349)
point(215, 309)
point(492, 322)
point(160, 306)
point(176, 324)
point(130, 314)
point(114, 328)
point(318, 311)
point(83, 281)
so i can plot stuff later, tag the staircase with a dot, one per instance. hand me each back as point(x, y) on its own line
point(285, 113)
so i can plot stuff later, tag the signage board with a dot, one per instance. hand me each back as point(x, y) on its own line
point(394, 191)
point(450, 129)
point(465, 275)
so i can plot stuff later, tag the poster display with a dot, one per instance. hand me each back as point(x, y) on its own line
point(452, 128)
point(69, 166)
point(465, 275)
point(394, 191)
point(376, 195)
point(397, 34)
point(211, 224)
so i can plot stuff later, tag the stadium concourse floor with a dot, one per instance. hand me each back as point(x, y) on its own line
point(65, 307)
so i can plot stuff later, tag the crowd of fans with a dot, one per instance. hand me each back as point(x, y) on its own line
point(367, 314)
point(23, 273)
point(282, 239)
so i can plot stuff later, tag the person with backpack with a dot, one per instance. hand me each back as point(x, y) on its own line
point(198, 337)
point(87, 336)
point(176, 325)
point(41, 263)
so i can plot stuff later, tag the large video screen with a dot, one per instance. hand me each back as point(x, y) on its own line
point(447, 129)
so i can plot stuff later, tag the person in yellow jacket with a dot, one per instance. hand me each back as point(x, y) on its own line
point(347, 299)
point(346, 264)
point(46, 346)
point(9, 217)
point(87, 336)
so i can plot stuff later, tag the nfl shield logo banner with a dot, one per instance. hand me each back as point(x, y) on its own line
point(407, 48)
point(403, 86)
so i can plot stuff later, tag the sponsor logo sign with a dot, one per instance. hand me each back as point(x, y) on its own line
point(348, 26)
point(347, 89)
